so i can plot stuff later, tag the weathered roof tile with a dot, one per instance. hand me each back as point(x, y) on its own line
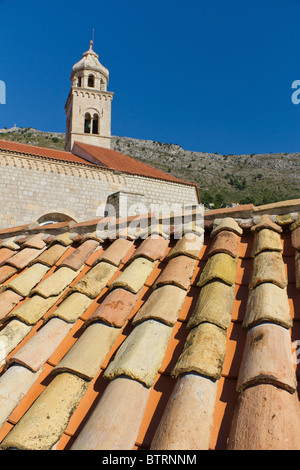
point(31, 311)
point(7, 272)
point(27, 280)
point(10, 336)
point(135, 275)
point(164, 304)
point(178, 272)
point(188, 417)
point(268, 267)
point(152, 249)
point(22, 258)
point(189, 245)
point(72, 307)
point(295, 235)
point(5, 253)
point(41, 346)
point(220, 266)
point(268, 303)
point(266, 418)
point(122, 399)
point(56, 283)
point(76, 259)
point(267, 358)
point(95, 280)
point(50, 256)
point(14, 385)
point(141, 354)
point(266, 223)
point(225, 242)
point(8, 300)
point(43, 424)
point(86, 356)
point(214, 305)
point(115, 253)
point(266, 239)
point(204, 352)
point(115, 308)
point(227, 224)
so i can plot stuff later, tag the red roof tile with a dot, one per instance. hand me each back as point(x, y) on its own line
point(110, 356)
point(112, 159)
point(25, 149)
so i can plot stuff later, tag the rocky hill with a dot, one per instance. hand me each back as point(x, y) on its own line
point(221, 179)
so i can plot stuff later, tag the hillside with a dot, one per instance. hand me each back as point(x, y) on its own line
point(221, 179)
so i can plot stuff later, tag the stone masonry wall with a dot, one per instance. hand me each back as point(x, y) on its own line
point(32, 187)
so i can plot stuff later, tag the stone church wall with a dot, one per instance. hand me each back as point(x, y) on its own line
point(32, 187)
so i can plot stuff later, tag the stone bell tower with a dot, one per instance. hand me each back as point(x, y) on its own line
point(88, 107)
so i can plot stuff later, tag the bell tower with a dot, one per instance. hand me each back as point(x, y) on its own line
point(88, 107)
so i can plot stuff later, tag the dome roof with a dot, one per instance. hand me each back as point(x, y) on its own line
point(90, 61)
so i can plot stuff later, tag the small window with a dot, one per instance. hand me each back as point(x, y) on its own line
point(91, 81)
point(87, 123)
point(79, 82)
point(95, 124)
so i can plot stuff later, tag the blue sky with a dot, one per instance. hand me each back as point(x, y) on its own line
point(211, 76)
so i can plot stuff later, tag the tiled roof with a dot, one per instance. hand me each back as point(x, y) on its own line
point(25, 149)
point(117, 161)
point(152, 343)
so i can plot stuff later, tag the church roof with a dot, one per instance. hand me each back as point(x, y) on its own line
point(109, 158)
point(25, 149)
point(90, 61)
point(92, 155)
point(165, 343)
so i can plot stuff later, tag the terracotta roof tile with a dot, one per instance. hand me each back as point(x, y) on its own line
point(268, 303)
point(115, 253)
point(178, 272)
point(214, 305)
point(101, 329)
point(220, 266)
point(8, 300)
point(21, 259)
point(45, 421)
point(112, 159)
point(204, 352)
point(17, 147)
point(86, 356)
point(122, 399)
point(95, 280)
point(31, 311)
point(268, 267)
point(115, 309)
point(225, 242)
point(164, 304)
point(192, 402)
point(76, 259)
point(26, 281)
point(135, 275)
point(141, 353)
point(41, 346)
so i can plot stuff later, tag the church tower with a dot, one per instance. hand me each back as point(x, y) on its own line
point(88, 107)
